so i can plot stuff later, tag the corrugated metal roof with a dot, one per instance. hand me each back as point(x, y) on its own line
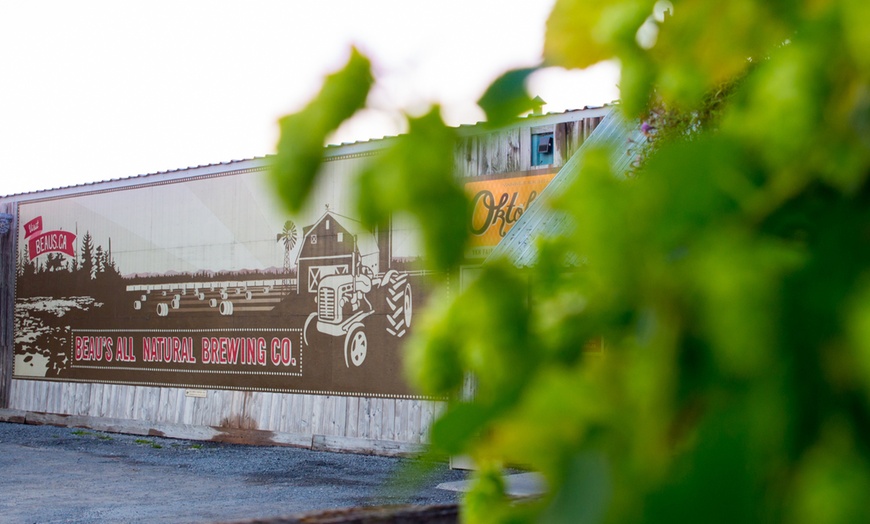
point(540, 220)
point(330, 150)
point(131, 178)
point(481, 127)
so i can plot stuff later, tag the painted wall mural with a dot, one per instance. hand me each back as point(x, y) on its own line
point(205, 283)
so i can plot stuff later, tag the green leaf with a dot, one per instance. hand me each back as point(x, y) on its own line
point(453, 432)
point(507, 98)
point(585, 491)
point(693, 57)
point(299, 152)
point(581, 33)
point(716, 481)
point(858, 325)
point(414, 176)
point(855, 19)
point(831, 482)
point(433, 359)
point(636, 83)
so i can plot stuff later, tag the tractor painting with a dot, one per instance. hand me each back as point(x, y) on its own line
point(340, 266)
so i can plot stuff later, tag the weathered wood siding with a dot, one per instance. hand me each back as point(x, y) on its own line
point(509, 150)
point(300, 418)
point(499, 152)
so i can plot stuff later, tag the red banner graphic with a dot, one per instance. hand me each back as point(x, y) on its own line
point(33, 227)
point(52, 242)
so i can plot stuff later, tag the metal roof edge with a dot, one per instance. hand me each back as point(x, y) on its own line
point(536, 120)
point(171, 175)
point(331, 152)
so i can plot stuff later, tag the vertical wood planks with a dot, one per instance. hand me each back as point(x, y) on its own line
point(560, 145)
point(340, 416)
point(264, 410)
point(127, 406)
point(514, 150)
point(179, 406)
point(275, 412)
point(18, 397)
point(413, 420)
point(288, 412)
point(304, 415)
point(387, 419)
point(56, 396)
point(107, 400)
point(318, 404)
point(351, 417)
point(362, 416)
point(253, 411)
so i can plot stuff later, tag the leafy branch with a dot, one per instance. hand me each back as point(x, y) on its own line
point(728, 278)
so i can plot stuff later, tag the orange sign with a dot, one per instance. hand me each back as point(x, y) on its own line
point(497, 205)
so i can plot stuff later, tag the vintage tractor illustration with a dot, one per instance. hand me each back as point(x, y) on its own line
point(339, 264)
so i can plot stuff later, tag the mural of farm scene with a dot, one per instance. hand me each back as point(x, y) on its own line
point(206, 283)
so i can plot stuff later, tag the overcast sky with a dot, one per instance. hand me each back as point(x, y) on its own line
point(96, 90)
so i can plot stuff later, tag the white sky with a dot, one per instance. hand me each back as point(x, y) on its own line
point(96, 90)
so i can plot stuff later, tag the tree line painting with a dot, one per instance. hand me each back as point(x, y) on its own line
point(55, 273)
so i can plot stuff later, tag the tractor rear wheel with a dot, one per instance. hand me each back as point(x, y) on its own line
point(400, 304)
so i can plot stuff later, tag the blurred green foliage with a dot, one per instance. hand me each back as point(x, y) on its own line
point(415, 176)
point(729, 276)
point(299, 152)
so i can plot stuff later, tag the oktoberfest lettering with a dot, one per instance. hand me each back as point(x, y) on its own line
point(221, 351)
point(502, 213)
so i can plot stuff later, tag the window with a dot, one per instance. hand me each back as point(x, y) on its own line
point(542, 149)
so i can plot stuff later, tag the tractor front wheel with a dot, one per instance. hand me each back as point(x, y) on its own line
point(356, 346)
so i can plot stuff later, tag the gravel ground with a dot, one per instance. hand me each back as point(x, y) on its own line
point(52, 474)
